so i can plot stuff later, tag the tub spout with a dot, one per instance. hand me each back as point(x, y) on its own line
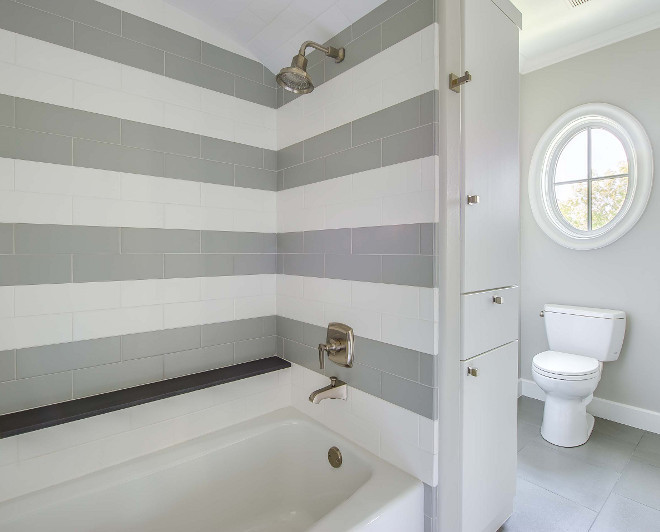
point(336, 390)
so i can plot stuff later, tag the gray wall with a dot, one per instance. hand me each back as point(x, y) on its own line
point(623, 275)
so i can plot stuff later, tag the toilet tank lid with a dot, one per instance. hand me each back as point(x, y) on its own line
point(585, 311)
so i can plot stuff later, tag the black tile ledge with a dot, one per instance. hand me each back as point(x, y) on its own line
point(60, 413)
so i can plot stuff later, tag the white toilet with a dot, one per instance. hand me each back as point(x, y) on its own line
point(580, 340)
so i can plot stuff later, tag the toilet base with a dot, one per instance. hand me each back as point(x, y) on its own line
point(566, 422)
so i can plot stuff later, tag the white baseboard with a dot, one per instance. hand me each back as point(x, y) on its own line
point(626, 414)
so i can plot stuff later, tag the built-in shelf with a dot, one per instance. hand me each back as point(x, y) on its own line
point(57, 414)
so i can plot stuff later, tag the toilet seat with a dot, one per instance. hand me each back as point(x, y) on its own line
point(566, 366)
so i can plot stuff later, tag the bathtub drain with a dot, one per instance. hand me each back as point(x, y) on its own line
point(334, 457)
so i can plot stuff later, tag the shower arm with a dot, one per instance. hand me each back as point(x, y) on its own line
point(336, 53)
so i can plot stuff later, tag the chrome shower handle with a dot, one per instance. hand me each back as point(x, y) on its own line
point(332, 346)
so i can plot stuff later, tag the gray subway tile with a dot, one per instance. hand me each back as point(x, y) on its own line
point(269, 79)
point(198, 265)
point(6, 110)
point(389, 358)
point(290, 242)
point(301, 354)
point(49, 118)
point(89, 268)
point(313, 335)
point(255, 92)
point(357, 51)
point(332, 141)
point(43, 238)
point(88, 12)
point(35, 23)
point(101, 379)
point(280, 346)
point(409, 21)
point(317, 73)
point(196, 360)
point(254, 264)
point(364, 157)
point(153, 343)
point(408, 270)
point(92, 154)
point(414, 144)
point(427, 370)
point(304, 264)
point(426, 239)
point(270, 159)
point(290, 156)
point(409, 395)
point(354, 267)
point(428, 108)
point(340, 40)
point(37, 391)
point(389, 121)
point(361, 377)
point(248, 177)
point(280, 180)
point(336, 241)
point(255, 349)
point(198, 74)
point(192, 169)
point(232, 331)
point(7, 365)
point(34, 269)
point(147, 32)
point(33, 146)
point(138, 135)
point(379, 15)
point(231, 62)
point(304, 174)
point(7, 238)
point(34, 361)
point(116, 48)
point(227, 151)
point(270, 325)
point(387, 240)
point(135, 240)
point(290, 329)
point(237, 242)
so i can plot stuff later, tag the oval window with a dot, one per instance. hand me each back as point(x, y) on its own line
point(591, 176)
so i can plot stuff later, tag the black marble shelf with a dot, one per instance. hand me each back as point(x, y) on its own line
point(57, 414)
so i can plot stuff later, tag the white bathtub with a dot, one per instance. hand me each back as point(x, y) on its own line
point(267, 474)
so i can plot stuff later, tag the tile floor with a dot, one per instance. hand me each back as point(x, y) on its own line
point(609, 484)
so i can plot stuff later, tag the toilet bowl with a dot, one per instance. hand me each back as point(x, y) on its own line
point(569, 382)
point(580, 340)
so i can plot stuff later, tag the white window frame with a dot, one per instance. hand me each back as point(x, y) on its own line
point(637, 146)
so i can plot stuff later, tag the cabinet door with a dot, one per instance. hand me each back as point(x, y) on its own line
point(490, 148)
point(488, 404)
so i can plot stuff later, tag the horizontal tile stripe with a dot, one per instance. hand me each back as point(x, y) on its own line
point(55, 134)
point(140, 43)
point(378, 30)
point(398, 194)
point(366, 306)
point(375, 370)
point(53, 314)
point(412, 70)
point(102, 365)
point(52, 74)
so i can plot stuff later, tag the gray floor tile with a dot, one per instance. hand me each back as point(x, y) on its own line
point(538, 510)
point(584, 483)
point(618, 431)
point(527, 433)
point(530, 410)
point(640, 482)
point(620, 514)
point(648, 449)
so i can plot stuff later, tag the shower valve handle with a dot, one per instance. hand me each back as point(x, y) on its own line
point(331, 346)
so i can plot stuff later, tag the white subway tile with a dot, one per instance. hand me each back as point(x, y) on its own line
point(191, 217)
point(230, 197)
point(34, 330)
point(39, 299)
point(8, 450)
point(389, 418)
point(7, 46)
point(329, 192)
point(255, 135)
point(115, 322)
point(159, 190)
point(6, 301)
point(68, 180)
point(196, 313)
point(117, 213)
point(410, 458)
point(254, 307)
point(255, 221)
point(27, 207)
point(195, 121)
point(354, 214)
point(159, 291)
point(364, 322)
point(290, 285)
point(428, 435)
point(151, 85)
point(301, 310)
point(335, 291)
point(415, 207)
point(34, 85)
point(231, 286)
point(427, 299)
point(6, 174)
point(409, 332)
point(397, 299)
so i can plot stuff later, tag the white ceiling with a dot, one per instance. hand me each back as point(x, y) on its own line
point(553, 31)
point(273, 30)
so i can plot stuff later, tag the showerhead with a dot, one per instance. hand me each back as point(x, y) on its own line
point(295, 78)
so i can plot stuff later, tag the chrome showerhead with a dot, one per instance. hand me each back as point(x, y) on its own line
point(295, 78)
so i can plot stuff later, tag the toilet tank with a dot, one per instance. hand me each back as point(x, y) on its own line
point(592, 332)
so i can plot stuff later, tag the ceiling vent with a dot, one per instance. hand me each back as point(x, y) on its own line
point(576, 3)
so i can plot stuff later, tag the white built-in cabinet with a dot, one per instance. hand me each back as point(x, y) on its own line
point(490, 265)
